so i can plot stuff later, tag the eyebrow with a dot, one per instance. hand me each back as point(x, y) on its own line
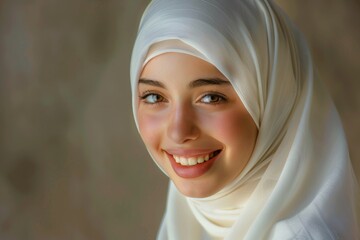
point(208, 81)
point(196, 83)
point(151, 82)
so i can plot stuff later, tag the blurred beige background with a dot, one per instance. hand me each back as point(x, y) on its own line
point(72, 165)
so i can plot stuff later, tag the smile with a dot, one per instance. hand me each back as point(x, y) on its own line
point(192, 164)
point(191, 161)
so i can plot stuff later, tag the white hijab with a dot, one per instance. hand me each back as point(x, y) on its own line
point(299, 182)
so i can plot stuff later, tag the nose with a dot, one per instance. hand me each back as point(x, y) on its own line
point(182, 125)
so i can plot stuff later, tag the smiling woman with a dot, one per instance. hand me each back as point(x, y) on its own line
point(229, 107)
point(193, 123)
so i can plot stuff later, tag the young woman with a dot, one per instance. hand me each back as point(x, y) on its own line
point(228, 105)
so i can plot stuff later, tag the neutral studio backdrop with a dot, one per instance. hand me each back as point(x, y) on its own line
point(72, 165)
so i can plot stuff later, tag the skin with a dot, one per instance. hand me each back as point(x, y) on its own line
point(179, 113)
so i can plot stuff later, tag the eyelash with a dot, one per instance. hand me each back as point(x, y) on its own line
point(146, 94)
point(220, 98)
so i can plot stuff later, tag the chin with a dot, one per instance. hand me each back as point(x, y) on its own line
point(195, 189)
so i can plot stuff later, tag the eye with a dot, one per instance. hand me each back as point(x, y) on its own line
point(152, 98)
point(212, 99)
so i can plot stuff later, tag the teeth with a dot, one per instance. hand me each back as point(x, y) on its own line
point(193, 160)
point(184, 161)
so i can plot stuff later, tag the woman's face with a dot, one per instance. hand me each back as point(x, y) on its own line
point(193, 123)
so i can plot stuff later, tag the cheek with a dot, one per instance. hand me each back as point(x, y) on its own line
point(149, 127)
point(233, 128)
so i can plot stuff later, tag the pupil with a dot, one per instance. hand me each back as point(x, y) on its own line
point(213, 98)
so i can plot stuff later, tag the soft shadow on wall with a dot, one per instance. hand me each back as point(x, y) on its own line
point(71, 163)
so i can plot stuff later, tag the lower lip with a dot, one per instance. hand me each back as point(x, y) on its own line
point(191, 171)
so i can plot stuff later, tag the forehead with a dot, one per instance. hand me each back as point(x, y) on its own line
point(179, 66)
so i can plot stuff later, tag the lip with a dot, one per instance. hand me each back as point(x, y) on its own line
point(195, 170)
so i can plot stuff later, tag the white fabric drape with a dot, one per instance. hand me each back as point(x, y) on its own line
point(299, 182)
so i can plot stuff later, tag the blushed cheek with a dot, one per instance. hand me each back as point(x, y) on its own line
point(149, 128)
point(234, 129)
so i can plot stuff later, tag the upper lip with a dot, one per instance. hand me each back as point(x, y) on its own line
point(190, 152)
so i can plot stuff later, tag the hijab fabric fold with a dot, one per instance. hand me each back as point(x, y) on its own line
point(299, 182)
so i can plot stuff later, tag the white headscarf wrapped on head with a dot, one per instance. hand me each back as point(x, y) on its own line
point(299, 182)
